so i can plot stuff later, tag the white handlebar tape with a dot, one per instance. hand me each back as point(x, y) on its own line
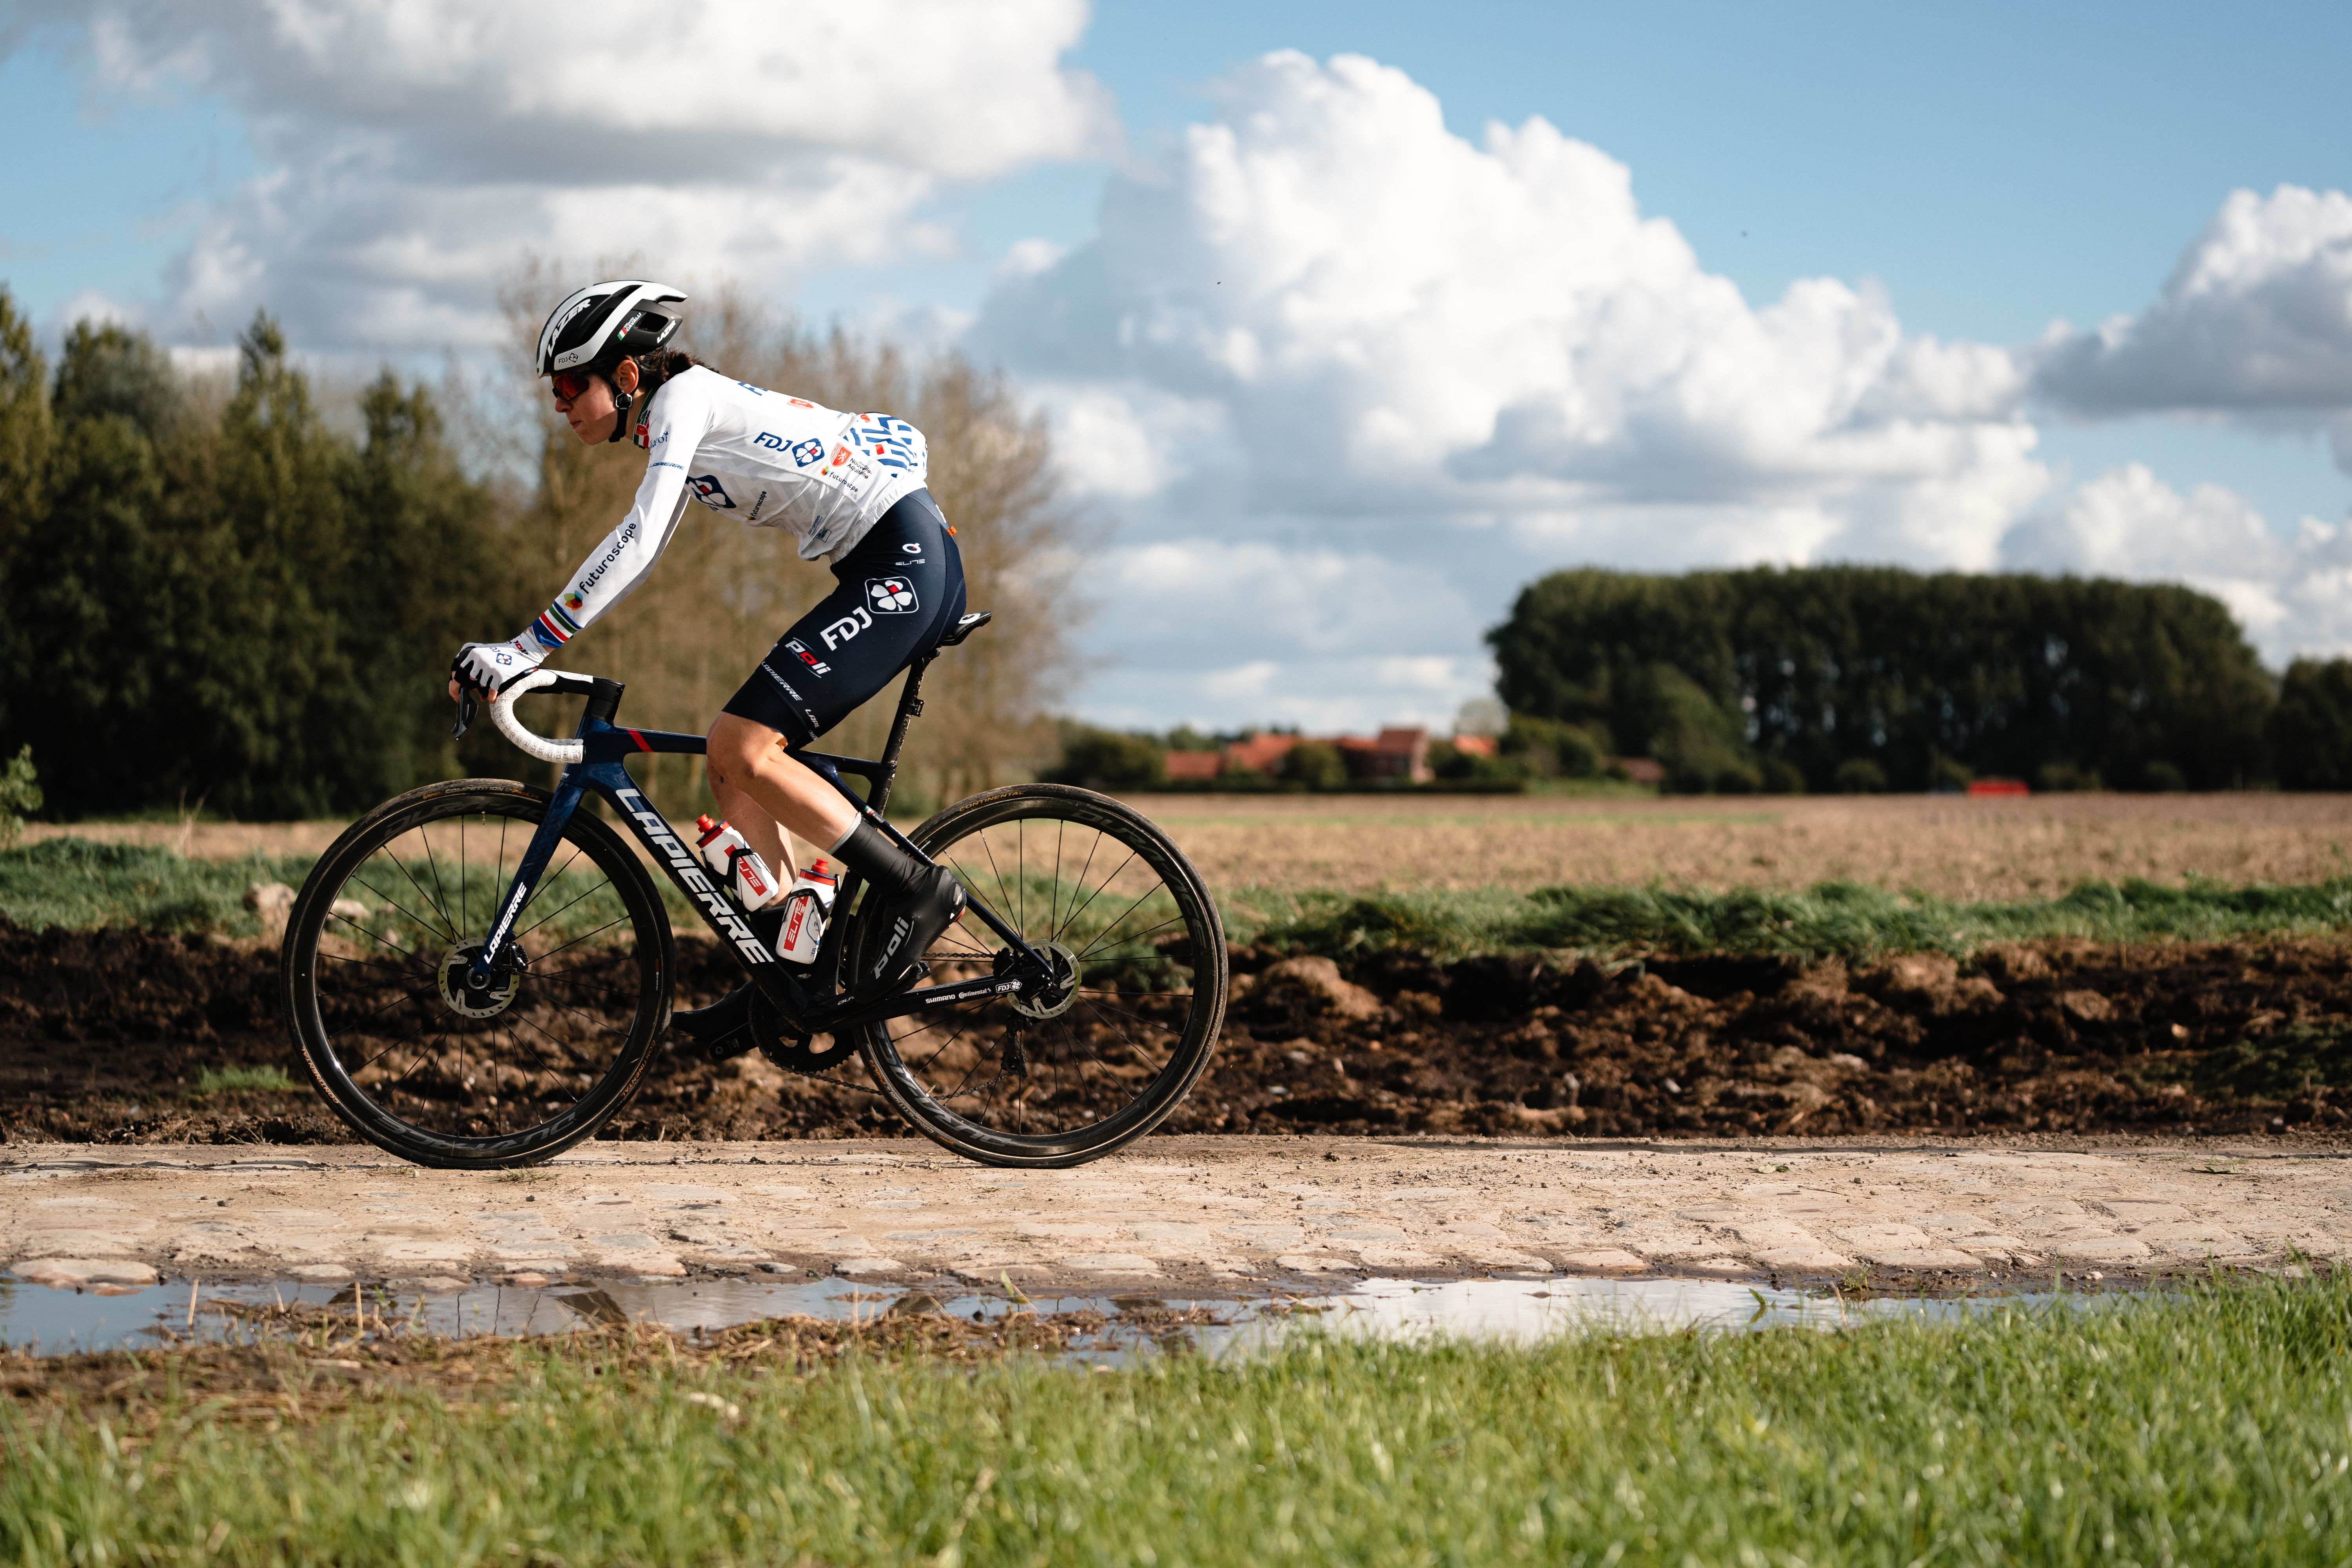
point(502, 714)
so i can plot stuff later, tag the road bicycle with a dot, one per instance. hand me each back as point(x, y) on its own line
point(477, 974)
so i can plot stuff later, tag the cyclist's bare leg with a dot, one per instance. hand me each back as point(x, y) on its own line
point(757, 787)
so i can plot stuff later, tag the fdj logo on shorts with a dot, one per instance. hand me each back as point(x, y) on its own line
point(711, 490)
point(890, 595)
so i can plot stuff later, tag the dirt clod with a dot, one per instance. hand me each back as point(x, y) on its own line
point(105, 1035)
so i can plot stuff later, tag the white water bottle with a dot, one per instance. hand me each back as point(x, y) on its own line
point(726, 851)
point(808, 904)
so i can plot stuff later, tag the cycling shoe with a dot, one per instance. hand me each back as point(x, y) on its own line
point(934, 903)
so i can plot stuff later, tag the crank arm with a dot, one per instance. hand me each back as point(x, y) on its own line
point(848, 1014)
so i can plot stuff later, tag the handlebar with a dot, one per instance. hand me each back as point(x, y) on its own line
point(502, 714)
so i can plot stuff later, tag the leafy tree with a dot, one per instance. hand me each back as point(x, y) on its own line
point(24, 437)
point(1548, 749)
point(244, 609)
point(1110, 759)
point(20, 796)
point(1999, 674)
point(2311, 729)
point(1860, 775)
point(1318, 764)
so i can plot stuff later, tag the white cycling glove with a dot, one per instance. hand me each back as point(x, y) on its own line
point(488, 666)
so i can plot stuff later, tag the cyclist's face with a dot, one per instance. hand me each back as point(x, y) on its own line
point(585, 401)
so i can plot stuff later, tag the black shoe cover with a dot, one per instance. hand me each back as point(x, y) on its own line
point(723, 1029)
point(910, 927)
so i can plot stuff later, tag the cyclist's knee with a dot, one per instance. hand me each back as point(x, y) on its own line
point(735, 746)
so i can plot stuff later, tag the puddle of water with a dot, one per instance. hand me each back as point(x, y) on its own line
point(1524, 1311)
point(56, 1323)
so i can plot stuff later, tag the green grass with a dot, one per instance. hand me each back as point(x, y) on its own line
point(2210, 1428)
point(77, 883)
point(1847, 919)
point(242, 1081)
point(83, 884)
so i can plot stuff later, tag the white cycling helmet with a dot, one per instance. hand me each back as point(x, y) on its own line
point(597, 327)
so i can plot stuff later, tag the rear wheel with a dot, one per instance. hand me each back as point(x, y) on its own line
point(375, 966)
point(1103, 1056)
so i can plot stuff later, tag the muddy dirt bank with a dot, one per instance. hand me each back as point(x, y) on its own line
point(105, 1035)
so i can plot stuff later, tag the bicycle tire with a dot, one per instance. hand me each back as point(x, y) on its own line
point(338, 965)
point(1156, 1009)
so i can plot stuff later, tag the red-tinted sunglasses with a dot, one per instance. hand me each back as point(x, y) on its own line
point(569, 384)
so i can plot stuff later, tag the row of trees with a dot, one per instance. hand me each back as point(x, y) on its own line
point(215, 593)
point(1846, 676)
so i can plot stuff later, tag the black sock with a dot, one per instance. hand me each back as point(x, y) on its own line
point(767, 924)
point(890, 870)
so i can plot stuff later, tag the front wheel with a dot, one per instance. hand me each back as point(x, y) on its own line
point(376, 962)
point(1102, 1056)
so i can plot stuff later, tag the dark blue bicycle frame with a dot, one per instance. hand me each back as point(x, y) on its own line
point(808, 1006)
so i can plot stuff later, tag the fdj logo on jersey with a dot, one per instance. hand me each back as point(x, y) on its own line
point(773, 442)
point(890, 595)
point(712, 492)
point(807, 452)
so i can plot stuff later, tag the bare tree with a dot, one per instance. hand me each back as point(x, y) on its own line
point(723, 593)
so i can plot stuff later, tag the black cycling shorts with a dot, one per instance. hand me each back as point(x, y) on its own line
point(901, 591)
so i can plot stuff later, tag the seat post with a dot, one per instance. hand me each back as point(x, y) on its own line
point(910, 707)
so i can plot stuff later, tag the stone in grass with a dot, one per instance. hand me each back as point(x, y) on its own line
point(84, 1273)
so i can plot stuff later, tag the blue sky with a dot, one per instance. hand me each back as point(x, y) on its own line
point(1994, 170)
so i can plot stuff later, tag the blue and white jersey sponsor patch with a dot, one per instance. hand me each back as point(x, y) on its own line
point(890, 441)
point(709, 491)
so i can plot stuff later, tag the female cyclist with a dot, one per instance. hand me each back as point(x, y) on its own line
point(850, 489)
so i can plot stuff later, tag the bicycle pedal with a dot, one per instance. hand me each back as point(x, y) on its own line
point(726, 1048)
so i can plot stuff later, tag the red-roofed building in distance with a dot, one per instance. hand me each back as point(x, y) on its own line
point(1257, 755)
point(1394, 754)
point(1193, 767)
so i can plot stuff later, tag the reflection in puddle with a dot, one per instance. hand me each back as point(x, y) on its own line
point(53, 1323)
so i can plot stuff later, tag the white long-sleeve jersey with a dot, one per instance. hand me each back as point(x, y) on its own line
point(762, 458)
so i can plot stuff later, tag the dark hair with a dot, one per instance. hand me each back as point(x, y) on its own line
point(657, 367)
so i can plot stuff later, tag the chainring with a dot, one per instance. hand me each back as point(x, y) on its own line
point(791, 1051)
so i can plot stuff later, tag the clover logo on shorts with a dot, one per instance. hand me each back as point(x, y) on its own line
point(889, 595)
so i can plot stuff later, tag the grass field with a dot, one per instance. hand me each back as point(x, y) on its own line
point(77, 883)
point(1946, 847)
point(2214, 1427)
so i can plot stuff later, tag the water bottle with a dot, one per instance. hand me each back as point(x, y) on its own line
point(726, 851)
point(807, 905)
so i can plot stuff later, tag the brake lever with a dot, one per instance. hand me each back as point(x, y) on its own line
point(465, 712)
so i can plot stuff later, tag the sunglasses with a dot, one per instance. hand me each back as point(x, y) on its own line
point(570, 384)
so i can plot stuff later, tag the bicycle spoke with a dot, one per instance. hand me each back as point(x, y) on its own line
point(438, 902)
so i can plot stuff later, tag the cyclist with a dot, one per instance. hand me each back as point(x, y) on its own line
point(850, 489)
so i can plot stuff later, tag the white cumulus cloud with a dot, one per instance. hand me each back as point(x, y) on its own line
point(2255, 322)
point(2292, 595)
point(415, 147)
point(1328, 327)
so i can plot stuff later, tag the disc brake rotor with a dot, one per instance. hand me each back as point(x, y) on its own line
point(1059, 994)
point(490, 999)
